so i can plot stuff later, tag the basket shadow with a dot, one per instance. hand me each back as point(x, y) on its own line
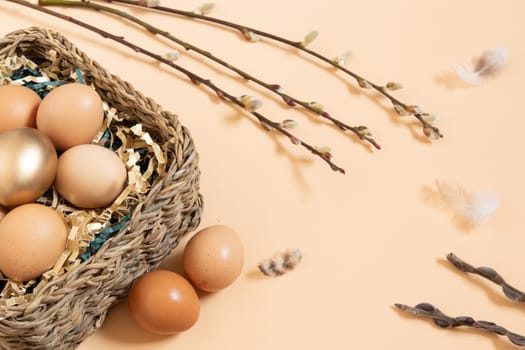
point(120, 327)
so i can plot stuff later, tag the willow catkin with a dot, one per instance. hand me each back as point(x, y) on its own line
point(281, 263)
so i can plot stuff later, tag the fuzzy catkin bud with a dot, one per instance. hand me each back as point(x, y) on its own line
point(295, 140)
point(430, 118)
point(204, 9)
point(363, 131)
point(400, 110)
point(250, 36)
point(316, 106)
point(251, 103)
point(392, 86)
point(309, 38)
point(171, 55)
point(149, 3)
point(430, 133)
point(364, 84)
point(341, 59)
point(289, 124)
point(414, 109)
point(323, 149)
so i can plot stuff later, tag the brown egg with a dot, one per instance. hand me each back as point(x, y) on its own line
point(70, 115)
point(90, 176)
point(32, 237)
point(213, 258)
point(18, 106)
point(163, 302)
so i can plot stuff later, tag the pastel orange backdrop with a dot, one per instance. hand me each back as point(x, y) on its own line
point(370, 238)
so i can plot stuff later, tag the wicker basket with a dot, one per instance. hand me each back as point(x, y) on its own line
point(72, 307)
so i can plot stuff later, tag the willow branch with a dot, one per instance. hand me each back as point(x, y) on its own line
point(489, 274)
point(426, 310)
point(222, 94)
point(361, 131)
point(429, 130)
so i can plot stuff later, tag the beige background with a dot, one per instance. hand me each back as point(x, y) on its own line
point(373, 237)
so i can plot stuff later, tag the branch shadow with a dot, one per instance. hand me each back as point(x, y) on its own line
point(296, 162)
point(413, 125)
point(262, 91)
point(434, 199)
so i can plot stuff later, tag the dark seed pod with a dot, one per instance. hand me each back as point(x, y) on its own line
point(425, 306)
point(442, 323)
point(465, 320)
point(489, 273)
point(516, 339)
point(512, 293)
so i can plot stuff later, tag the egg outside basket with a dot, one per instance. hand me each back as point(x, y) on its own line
point(73, 306)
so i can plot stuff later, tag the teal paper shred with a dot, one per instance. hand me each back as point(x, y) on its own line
point(106, 138)
point(23, 72)
point(40, 88)
point(102, 237)
point(80, 77)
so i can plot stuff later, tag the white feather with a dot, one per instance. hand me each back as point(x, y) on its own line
point(487, 65)
point(475, 207)
point(480, 207)
point(467, 74)
point(491, 62)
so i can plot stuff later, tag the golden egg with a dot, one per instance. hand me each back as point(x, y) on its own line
point(28, 164)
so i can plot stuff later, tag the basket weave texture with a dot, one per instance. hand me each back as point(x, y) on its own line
point(73, 306)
